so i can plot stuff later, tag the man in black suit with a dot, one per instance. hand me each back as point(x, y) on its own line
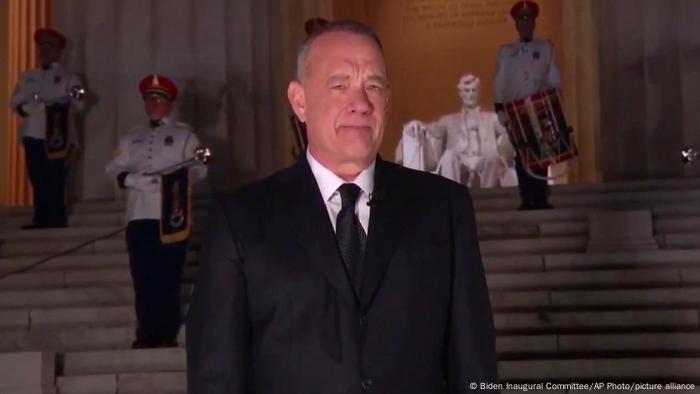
point(344, 273)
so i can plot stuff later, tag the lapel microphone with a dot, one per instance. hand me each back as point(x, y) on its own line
point(375, 198)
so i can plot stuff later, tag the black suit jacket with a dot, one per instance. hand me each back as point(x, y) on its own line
point(273, 310)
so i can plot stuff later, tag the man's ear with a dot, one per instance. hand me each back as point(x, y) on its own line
point(297, 99)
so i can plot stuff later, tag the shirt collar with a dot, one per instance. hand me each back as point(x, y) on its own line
point(163, 122)
point(53, 67)
point(328, 182)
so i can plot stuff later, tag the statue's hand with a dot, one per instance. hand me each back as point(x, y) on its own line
point(414, 128)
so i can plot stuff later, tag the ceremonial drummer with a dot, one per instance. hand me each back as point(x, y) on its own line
point(148, 162)
point(524, 68)
point(47, 100)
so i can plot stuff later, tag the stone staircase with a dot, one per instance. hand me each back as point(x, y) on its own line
point(561, 314)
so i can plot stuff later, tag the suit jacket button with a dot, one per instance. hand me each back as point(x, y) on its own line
point(367, 383)
point(363, 322)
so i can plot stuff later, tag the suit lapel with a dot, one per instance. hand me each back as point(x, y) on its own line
point(311, 226)
point(388, 217)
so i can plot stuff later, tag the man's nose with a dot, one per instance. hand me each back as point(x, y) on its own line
point(360, 102)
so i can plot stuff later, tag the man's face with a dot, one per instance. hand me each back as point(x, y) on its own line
point(525, 25)
point(157, 107)
point(468, 92)
point(343, 99)
point(49, 50)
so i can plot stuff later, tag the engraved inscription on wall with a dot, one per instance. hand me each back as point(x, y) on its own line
point(433, 15)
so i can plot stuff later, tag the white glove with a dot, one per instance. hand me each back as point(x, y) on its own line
point(415, 128)
point(146, 183)
point(32, 107)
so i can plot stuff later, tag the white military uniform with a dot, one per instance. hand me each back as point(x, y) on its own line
point(50, 86)
point(525, 68)
point(148, 150)
point(460, 146)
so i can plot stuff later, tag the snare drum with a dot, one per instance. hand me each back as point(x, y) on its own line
point(538, 129)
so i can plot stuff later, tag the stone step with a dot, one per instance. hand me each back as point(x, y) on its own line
point(68, 339)
point(533, 245)
point(124, 383)
point(541, 216)
point(65, 263)
point(73, 316)
point(623, 278)
point(88, 219)
point(513, 263)
point(74, 262)
point(613, 260)
point(548, 322)
point(596, 299)
point(679, 240)
point(73, 297)
point(596, 321)
point(531, 230)
point(76, 278)
point(593, 261)
point(117, 244)
point(122, 295)
point(68, 233)
point(676, 369)
point(544, 346)
point(123, 361)
point(672, 184)
point(676, 224)
point(621, 199)
point(682, 342)
point(667, 216)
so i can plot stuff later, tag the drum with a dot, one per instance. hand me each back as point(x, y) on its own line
point(538, 130)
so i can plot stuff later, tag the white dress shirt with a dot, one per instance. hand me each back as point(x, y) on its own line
point(328, 184)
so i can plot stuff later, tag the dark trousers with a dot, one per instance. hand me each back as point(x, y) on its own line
point(533, 191)
point(48, 178)
point(156, 270)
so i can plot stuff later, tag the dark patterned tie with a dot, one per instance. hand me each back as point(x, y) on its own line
point(349, 232)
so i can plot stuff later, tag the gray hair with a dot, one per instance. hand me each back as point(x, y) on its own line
point(348, 26)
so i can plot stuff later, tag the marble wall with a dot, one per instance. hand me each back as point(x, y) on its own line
point(649, 87)
point(230, 59)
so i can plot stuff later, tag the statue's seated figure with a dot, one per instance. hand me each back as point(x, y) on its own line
point(470, 147)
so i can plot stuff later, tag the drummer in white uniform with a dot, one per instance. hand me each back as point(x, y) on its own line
point(524, 68)
point(156, 254)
